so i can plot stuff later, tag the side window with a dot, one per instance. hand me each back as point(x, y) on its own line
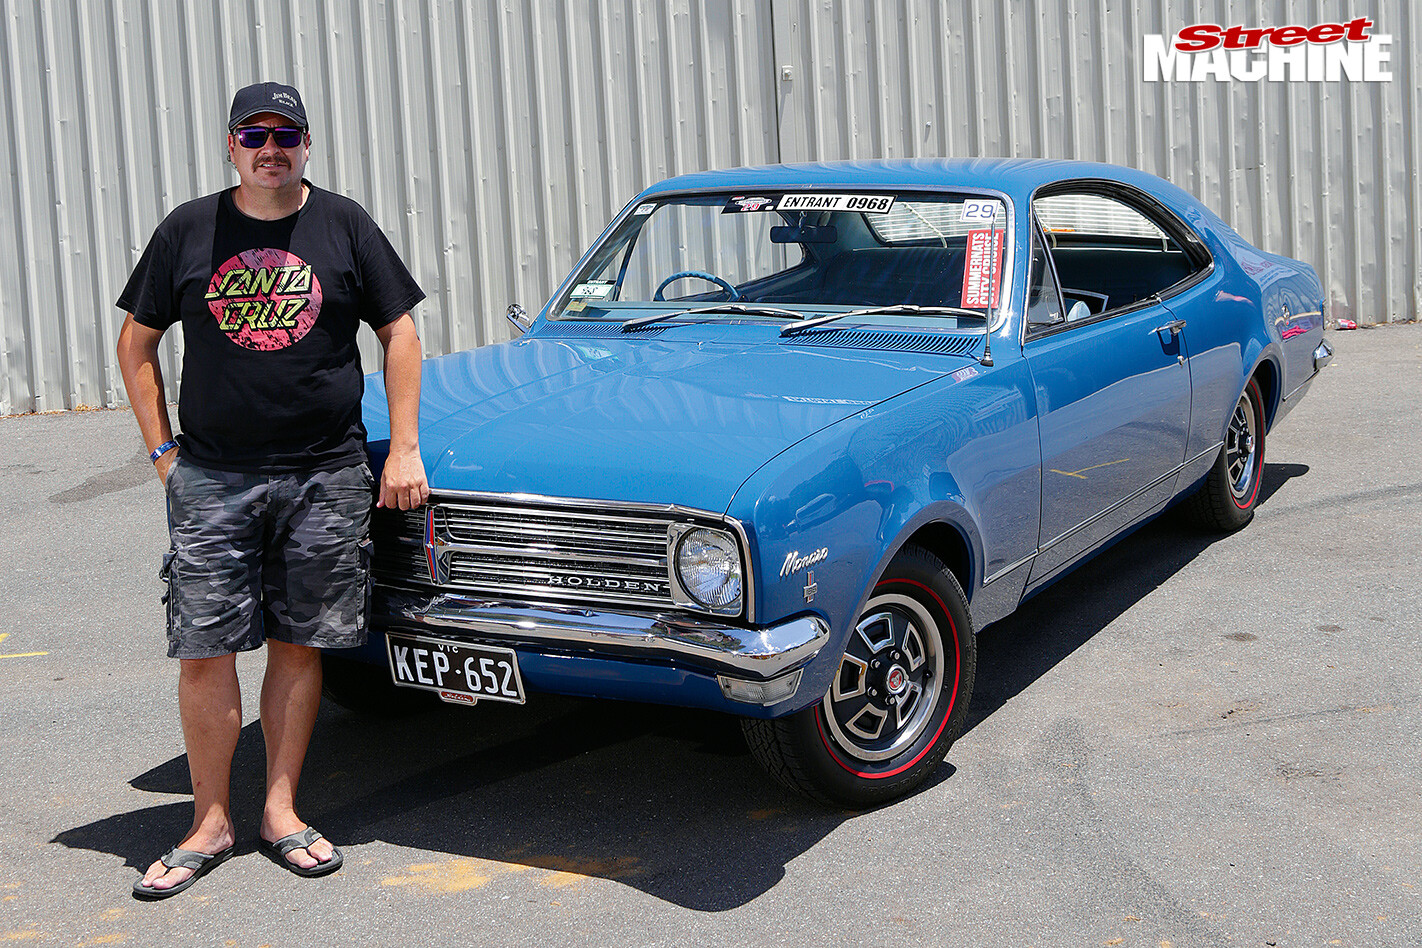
point(1044, 303)
point(1108, 254)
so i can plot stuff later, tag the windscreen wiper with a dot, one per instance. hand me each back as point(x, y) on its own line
point(909, 309)
point(745, 308)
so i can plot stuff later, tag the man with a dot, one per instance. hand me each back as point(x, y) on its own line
point(268, 487)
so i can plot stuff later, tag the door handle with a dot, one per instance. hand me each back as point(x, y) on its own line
point(1173, 327)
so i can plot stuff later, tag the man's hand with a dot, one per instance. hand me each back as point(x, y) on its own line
point(164, 462)
point(143, 380)
point(402, 481)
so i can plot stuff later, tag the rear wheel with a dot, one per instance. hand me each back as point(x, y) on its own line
point(367, 689)
point(1227, 498)
point(898, 700)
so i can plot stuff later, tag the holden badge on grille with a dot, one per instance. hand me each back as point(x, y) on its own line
point(437, 549)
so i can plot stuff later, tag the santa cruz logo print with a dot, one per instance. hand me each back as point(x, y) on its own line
point(264, 299)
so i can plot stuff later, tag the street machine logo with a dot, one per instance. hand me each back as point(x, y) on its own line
point(1324, 52)
point(264, 299)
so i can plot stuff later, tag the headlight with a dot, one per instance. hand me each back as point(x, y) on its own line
point(708, 565)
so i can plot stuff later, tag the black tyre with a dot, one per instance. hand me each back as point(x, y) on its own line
point(368, 691)
point(899, 698)
point(1227, 498)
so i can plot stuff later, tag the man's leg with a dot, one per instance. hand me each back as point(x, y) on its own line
point(316, 584)
point(211, 707)
point(291, 696)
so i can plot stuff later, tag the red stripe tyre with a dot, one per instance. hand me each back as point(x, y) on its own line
point(898, 700)
point(1225, 501)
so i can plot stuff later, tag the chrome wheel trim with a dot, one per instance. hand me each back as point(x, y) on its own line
point(1241, 445)
point(868, 726)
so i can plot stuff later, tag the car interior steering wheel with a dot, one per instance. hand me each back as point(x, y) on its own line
point(700, 275)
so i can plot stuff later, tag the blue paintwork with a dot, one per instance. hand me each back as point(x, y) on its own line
point(687, 418)
point(859, 450)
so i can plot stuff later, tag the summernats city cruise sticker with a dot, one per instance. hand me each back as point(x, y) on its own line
point(984, 264)
point(264, 299)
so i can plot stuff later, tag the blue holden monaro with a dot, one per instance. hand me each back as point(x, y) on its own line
point(787, 437)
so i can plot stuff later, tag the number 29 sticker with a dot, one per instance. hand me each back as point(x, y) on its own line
point(981, 212)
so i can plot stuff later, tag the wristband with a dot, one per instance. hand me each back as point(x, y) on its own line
point(162, 449)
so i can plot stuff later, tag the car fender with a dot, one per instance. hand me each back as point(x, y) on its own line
point(830, 513)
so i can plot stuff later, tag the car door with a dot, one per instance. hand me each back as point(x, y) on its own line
point(1111, 380)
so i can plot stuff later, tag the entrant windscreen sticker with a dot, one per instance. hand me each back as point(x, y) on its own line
point(863, 203)
point(644, 209)
point(984, 263)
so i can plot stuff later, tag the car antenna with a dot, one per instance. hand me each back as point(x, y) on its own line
point(986, 360)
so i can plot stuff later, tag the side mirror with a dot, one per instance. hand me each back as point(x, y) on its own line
point(519, 317)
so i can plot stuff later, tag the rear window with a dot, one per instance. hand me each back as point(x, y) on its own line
point(1092, 215)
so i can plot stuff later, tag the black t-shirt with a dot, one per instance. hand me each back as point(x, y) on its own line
point(272, 379)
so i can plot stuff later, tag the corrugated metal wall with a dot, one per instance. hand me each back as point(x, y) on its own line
point(493, 138)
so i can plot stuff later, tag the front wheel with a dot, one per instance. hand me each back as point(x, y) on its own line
point(898, 700)
point(1226, 500)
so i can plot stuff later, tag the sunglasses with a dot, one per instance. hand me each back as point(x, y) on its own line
point(255, 136)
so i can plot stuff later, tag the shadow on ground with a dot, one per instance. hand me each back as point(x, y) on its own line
point(664, 800)
point(1016, 651)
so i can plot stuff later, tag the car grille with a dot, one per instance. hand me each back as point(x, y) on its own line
point(526, 551)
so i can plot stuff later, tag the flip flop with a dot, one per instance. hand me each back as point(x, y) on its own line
point(276, 852)
point(200, 863)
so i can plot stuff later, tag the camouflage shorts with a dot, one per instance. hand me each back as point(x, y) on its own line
point(258, 556)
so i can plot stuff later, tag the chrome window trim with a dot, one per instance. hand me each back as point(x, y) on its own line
point(558, 299)
point(1028, 331)
point(1152, 210)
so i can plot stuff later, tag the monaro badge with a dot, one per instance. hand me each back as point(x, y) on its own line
point(437, 550)
point(794, 562)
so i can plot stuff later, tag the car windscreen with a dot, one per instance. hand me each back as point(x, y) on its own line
point(808, 252)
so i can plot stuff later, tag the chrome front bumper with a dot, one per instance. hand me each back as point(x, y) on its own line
point(759, 653)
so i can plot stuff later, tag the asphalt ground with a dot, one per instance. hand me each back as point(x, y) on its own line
point(1192, 740)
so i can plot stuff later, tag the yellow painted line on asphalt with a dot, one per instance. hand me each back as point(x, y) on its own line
point(6, 635)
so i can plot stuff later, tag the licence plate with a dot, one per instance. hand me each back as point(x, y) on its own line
point(458, 672)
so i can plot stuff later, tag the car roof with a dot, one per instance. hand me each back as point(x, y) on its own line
point(1017, 177)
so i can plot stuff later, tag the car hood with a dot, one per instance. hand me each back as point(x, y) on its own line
point(635, 420)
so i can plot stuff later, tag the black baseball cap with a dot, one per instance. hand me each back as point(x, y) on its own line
point(266, 97)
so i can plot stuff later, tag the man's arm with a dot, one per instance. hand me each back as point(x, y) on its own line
point(402, 483)
point(143, 380)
